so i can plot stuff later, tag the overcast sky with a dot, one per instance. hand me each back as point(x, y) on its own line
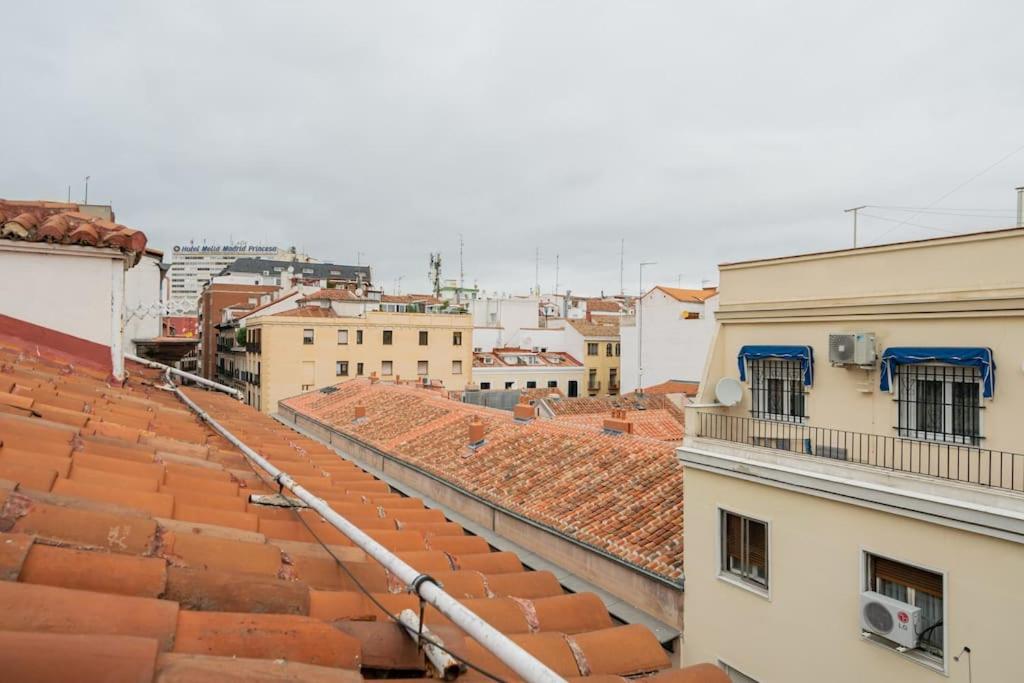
point(699, 132)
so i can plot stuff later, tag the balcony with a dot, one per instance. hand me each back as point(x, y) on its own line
point(956, 462)
point(594, 386)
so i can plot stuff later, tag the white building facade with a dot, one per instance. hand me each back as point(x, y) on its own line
point(678, 327)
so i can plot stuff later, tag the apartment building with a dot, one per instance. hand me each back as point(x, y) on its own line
point(857, 512)
point(677, 328)
point(519, 369)
point(598, 346)
point(335, 334)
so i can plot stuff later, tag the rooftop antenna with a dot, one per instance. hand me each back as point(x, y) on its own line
point(622, 266)
point(556, 274)
point(434, 275)
point(536, 272)
point(1020, 207)
point(86, 200)
point(462, 272)
point(854, 210)
point(69, 194)
point(359, 258)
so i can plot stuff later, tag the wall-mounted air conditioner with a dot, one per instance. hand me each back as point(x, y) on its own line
point(890, 618)
point(854, 348)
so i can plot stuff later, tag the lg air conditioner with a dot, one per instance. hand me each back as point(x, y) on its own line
point(890, 618)
point(855, 348)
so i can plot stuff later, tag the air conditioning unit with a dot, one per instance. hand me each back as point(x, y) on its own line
point(890, 618)
point(855, 348)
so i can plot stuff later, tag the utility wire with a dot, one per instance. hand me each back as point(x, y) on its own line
point(961, 185)
point(424, 639)
point(938, 212)
point(916, 225)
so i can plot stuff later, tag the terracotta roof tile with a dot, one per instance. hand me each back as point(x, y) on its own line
point(673, 386)
point(138, 555)
point(603, 330)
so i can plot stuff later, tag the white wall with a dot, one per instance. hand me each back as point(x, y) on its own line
point(486, 338)
point(546, 338)
point(510, 314)
point(674, 348)
point(67, 289)
point(142, 297)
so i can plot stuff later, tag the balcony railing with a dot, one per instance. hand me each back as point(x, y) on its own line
point(951, 461)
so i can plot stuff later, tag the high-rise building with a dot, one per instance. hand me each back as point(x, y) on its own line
point(193, 265)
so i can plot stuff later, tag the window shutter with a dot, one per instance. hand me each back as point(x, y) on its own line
point(757, 543)
point(733, 536)
point(905, 575)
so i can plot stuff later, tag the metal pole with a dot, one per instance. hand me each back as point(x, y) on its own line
point(187, 375)
point(86, 190)
point(1020, 207)
point(854, 210)
point(640, 329)
point(511, 654)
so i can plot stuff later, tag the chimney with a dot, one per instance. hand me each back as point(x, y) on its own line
point(360, 411)
point(523, 411)
point(476, 431)
point(373, 377)
point(617, 423)
point(398, 379)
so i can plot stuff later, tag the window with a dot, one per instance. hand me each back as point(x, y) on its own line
point(456, 338)
point(914, 586)
point(608, 349)
point(485, 385)
point(388, 336)
point(940, 403)
point(359, 369)
point(423, 337)
point(307, 336)
point(553, 384)
point(531, 385)
point(510, 385)
point(618, 349)
point(592, 349)
point(592, 383)
point(744, 549)
point(777, 390)
point(456, 367)
point(385, 368)
point(359, 336)
point(341, 368)
point(343, 336)
point(307, 387)
point(421, 367)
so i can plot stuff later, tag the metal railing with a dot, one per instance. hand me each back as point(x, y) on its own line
point(952, 461)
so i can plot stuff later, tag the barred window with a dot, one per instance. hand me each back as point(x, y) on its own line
point(777, 390)
point(940, 403)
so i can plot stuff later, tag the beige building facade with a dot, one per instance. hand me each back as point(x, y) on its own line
point(858, 514)
point(598, 346)
point(314, 346)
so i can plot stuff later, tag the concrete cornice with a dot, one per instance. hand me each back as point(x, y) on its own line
point(951, 504)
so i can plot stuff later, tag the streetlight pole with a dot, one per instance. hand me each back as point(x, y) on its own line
point(640, 330)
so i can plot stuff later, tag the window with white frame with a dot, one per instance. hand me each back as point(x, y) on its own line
point(940, 403)
point(422, 367)
point(914, 586)
point(456, 367)
point(744, 544)
point(343, 336)
point(777, 390)
point(341, 368)
point(386, 368)
point(307, 336)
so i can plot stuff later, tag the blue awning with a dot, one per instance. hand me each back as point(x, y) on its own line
point(967, 356)
point(804, 354)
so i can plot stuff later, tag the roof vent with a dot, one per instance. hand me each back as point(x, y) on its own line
point(617, 423)
point(328, 390)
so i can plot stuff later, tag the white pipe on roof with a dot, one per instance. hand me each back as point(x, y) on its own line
point(187, 375)
point(512, 655)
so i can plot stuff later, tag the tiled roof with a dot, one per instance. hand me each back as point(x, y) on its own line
point(658, 418)
point(333, 295)
point(673, 386)
point(269, 303)
point(689, 295)
point(622, 494)
point(130, 550)
point(604, 306)
point(595, 329)
point(428, 299)
point(306, 312)
point(61, 223)
point(510, 357)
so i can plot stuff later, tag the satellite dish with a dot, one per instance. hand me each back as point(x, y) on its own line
point(359, 291)
point(728, 391)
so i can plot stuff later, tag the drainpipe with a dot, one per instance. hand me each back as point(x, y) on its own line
point(512, 655)
point(187, 375)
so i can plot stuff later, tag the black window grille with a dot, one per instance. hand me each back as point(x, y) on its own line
point(777, 390)
point(940, 403)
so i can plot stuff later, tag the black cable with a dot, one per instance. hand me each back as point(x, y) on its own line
point(423, 639)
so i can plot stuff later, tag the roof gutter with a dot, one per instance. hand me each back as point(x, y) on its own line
point(512, 655)
point(187, 375)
